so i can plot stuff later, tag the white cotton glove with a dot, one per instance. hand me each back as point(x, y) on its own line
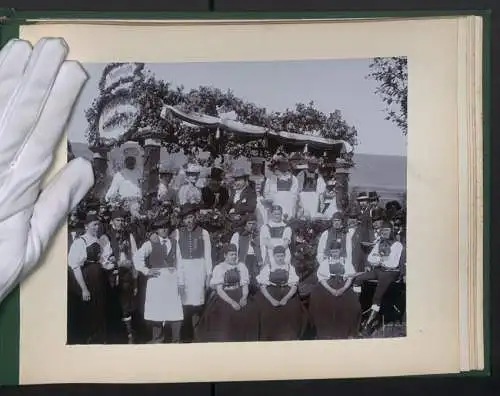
point(38, 89)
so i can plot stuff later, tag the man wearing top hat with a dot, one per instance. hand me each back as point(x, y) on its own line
point(242, 199)
point(166, 191)
point(282, 188)
point(159, 259)
point(215, 195)
point(189, 192)
point(196, 260)
point(119, 247)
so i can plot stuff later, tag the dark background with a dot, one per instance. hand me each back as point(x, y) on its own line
point(439, 385)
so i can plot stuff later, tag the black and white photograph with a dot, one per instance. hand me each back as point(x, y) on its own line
point(239, 202)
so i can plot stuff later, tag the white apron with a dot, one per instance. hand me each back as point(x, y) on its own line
point(195, 276)
point(163, 302)
point(309, 201)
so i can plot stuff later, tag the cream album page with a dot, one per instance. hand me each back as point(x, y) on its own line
point(274, 65)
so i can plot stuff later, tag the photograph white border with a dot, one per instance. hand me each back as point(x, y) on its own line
point(432, 342)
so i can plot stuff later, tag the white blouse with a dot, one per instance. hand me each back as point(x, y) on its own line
point(392, 261)
point(221, 269)
point(78, 251)
point(323, 260)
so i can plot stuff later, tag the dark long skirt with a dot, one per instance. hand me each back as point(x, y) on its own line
point(91, 314)
point(334, 317)
point(221, 323)
point(282, 323)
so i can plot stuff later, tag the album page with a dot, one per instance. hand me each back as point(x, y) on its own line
point(404, 166)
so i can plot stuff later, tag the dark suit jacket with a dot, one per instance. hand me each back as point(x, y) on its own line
point(246, 204)
point(358, 256)
point(208, 197)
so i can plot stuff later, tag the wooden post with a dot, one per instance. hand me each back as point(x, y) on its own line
point(150, 181)
point(342, 184)
point(100, 167)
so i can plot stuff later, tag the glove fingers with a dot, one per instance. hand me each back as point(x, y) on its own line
point(50, 127)
point(30, 97)
point(58, 198)
point(13, 59)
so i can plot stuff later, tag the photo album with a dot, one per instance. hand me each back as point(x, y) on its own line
point(269, 194)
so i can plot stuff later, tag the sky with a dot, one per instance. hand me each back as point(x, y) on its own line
point(278, 85)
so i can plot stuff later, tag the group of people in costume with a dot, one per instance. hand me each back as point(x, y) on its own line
point(174, 276)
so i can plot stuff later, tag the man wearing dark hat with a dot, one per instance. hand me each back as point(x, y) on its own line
point(119, 247)
point(215, 195)
point(384, 260)
point(243, 198)
point(195, 250)
point(249, 251)
point(159, 260)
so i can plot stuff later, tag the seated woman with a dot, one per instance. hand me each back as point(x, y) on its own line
point(228, 315)
point(334, 307)
point(384, 261)
point(282, 316)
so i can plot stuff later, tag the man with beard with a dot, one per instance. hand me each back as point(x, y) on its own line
point(215, 195)
point(119, 249)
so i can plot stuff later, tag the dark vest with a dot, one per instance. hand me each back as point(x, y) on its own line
point(310, 182)
point(93, 253)
point(243, 245)
point(335, 236)
point(119, 238)
point(159, 258)
point(232, 277)
point(276, 232)
point(279, 277)
point(337, 269)
point(284, 185)
point(191, 243)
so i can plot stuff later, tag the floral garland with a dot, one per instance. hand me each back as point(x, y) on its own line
point(151, 94)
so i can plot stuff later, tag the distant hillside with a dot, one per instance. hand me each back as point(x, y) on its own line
point(371, 172)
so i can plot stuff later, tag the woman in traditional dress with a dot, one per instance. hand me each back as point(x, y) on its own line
point(283, 188)
point(228, 316)
point(282, 316)
point(88, 281)
point(334, 307)
point(190, 193)
point(312, 187)
point(249, 252)
point(159, 260)
point(275, 233)
point(196, 259)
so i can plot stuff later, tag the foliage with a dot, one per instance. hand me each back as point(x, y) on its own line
point(392, 77)
point(149, 94)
